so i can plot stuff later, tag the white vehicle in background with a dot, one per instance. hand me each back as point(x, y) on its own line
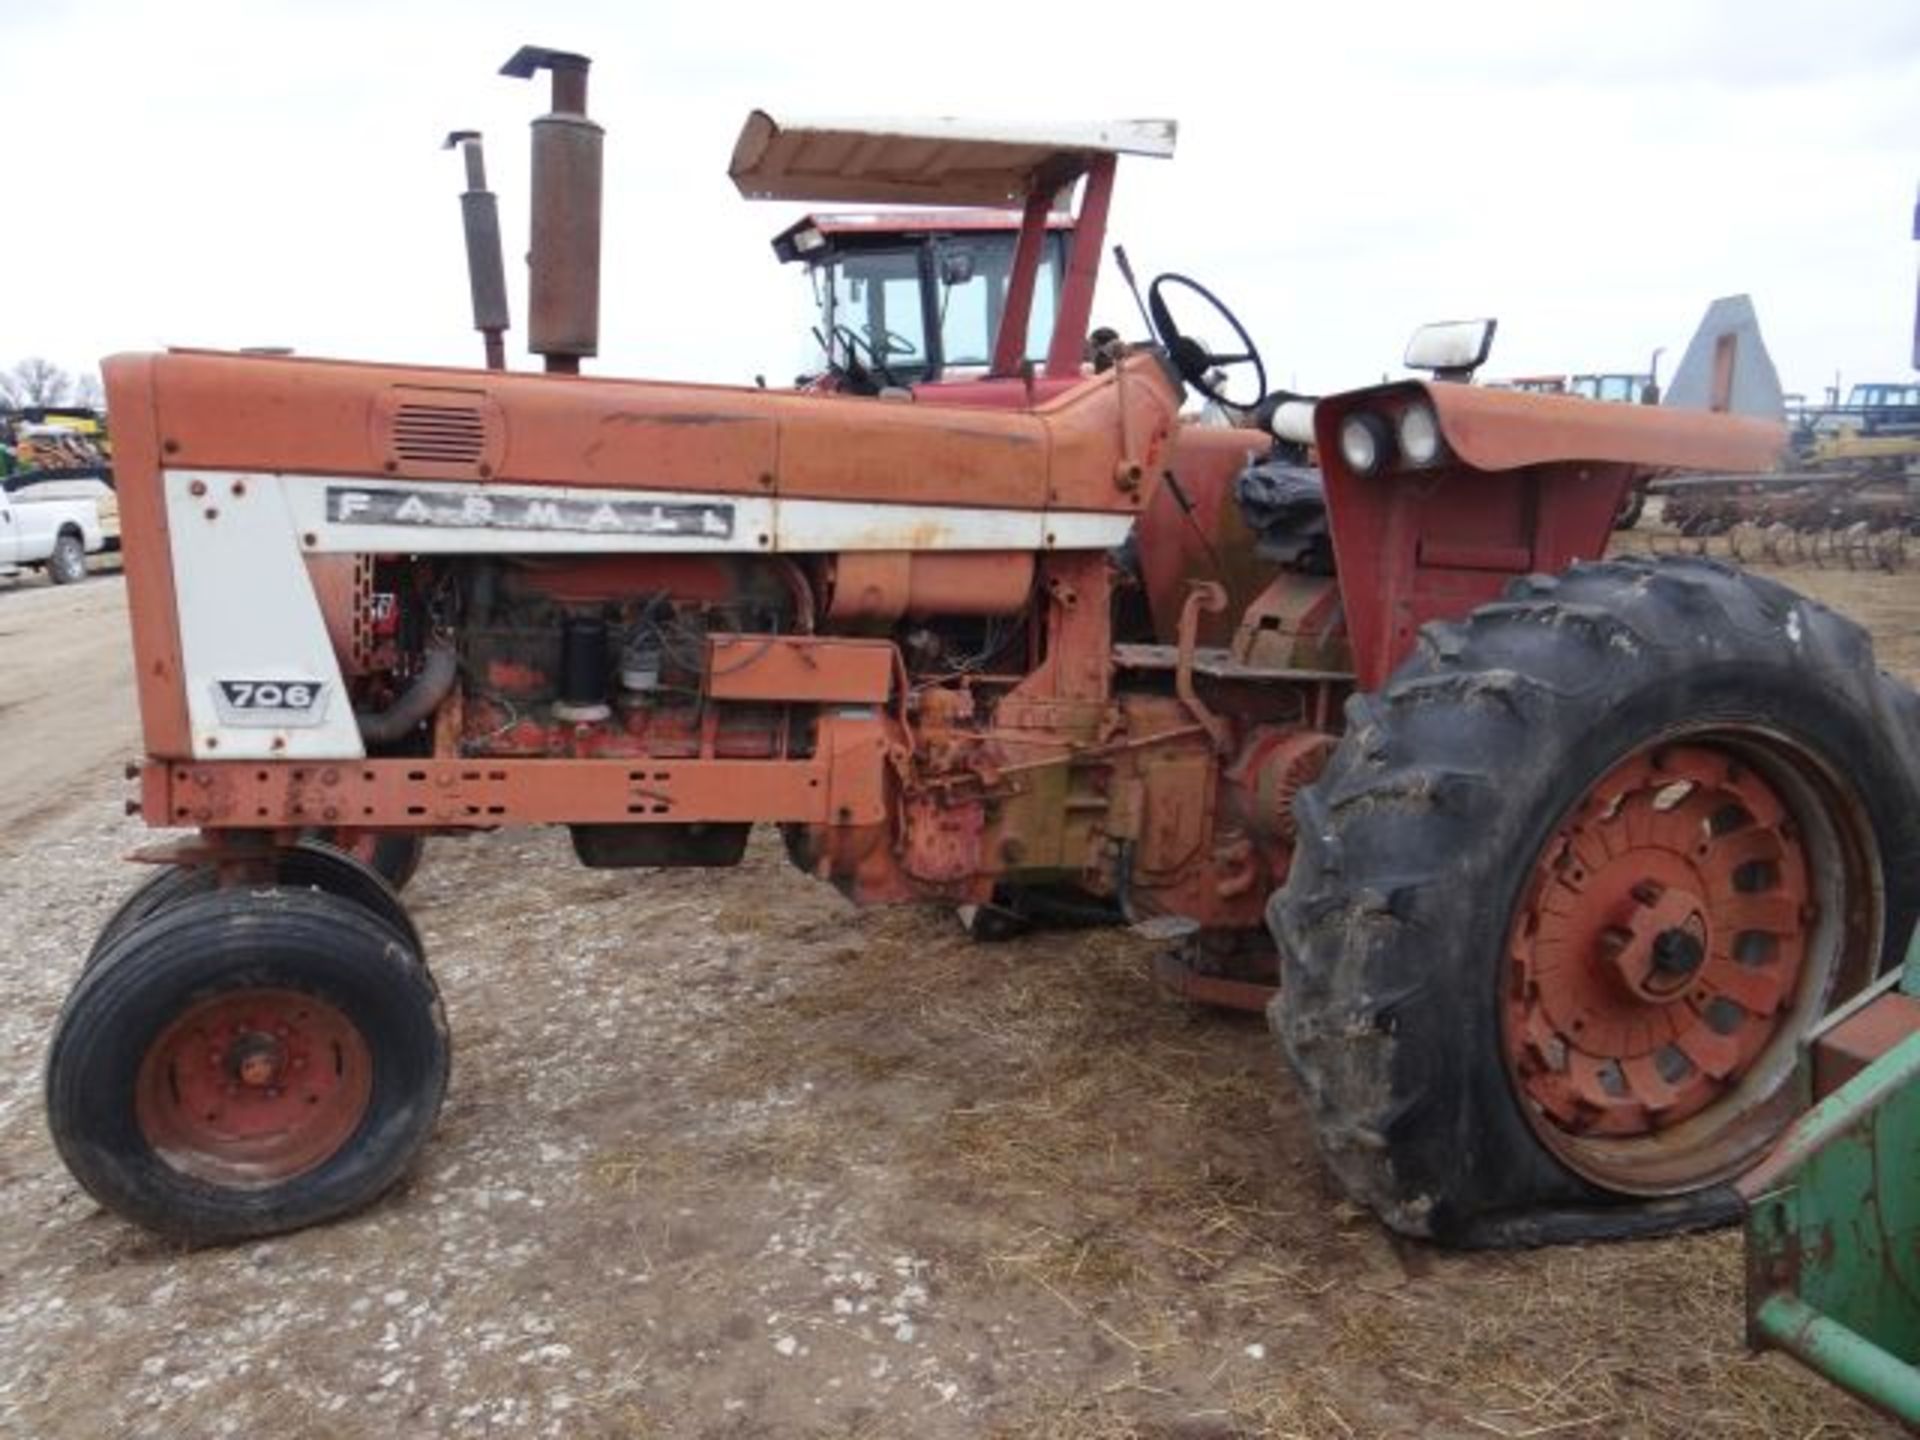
point(35, 488)
point(54, 533)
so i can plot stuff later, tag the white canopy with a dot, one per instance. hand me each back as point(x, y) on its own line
point(927, 162)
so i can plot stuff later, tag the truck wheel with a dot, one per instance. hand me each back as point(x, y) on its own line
point(247, 1062)
point(1576, 885)
point(309, 865)
point(68, 562)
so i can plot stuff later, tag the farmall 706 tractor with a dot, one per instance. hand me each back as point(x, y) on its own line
point(1556, 858)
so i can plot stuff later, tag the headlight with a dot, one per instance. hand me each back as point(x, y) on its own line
point(1419, 434)
point(1363, 443)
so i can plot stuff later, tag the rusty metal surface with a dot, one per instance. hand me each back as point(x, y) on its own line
point(1177, 974)
point(563, 286)
point(1191, 525)
point(880, 586)
point(927, 162)
point(820, 670)
point(1505, 429)
point(1496, 430)
point(1648, 976)
point(446, 794)
point(299, 416)
point(1208, 597)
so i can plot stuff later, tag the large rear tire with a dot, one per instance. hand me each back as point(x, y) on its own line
point(247, 1062)
point(1574, 888)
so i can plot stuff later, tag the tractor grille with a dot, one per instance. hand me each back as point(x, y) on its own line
point(448, 433)
point(439, 434)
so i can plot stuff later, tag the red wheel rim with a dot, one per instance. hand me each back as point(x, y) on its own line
point(1667, 951)
point(253, 1087)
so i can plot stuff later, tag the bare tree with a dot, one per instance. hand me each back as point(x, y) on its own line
point(88, 391)
point(35, 381)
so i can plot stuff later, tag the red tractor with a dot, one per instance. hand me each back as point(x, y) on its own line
point(1554, 859)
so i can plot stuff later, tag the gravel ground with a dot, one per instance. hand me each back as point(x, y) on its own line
point(723, 1156)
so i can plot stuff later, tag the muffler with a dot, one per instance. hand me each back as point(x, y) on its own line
point(563, 291)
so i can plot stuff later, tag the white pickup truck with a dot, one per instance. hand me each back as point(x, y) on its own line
point(56, 533)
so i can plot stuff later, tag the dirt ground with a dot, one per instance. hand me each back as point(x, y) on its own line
point(725, 1157)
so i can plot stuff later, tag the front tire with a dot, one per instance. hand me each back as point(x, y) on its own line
point(1575, 887)
point(309, 865)
point(246, 1063)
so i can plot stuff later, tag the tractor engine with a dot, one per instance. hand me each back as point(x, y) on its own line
point(606, 656)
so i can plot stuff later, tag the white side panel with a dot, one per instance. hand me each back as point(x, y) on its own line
point(261, 677)
point(1086, 529)
point(830, 525)
point(334, 515)
point(448, 518)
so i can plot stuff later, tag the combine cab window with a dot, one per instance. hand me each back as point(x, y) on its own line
point(970, 309)
point(876, 294)
point(928, 305)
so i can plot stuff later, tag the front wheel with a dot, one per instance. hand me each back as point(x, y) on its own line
point(247, 1062)
point(310, 865)
point(1574, 890)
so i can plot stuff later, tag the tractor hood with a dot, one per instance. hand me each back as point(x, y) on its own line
point(1508, 429)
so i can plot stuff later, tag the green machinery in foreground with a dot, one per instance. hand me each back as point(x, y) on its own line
point(1833, 1227)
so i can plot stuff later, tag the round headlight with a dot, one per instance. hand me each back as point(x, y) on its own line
point(1419, 434)
point(1363, 443)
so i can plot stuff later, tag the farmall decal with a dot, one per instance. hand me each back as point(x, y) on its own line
point(441, 508)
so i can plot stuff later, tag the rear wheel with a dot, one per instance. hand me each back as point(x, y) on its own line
point(68, 562)
point(1575, 887)
point(247, 1062)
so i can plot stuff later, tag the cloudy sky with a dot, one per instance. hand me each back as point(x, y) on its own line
point(247, 172)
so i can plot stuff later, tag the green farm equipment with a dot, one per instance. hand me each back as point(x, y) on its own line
point(1833, 1222)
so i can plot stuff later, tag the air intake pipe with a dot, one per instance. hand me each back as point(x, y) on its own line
point(563, 292)
point(486, 272)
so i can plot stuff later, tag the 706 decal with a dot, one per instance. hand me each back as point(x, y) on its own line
point(270, 702)
point(269, 694)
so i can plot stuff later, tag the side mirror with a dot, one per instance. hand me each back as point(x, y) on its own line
point(1451, 349)
point(956, 267)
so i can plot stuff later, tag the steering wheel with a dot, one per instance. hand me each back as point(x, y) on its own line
point(891, 342)
point(844, 351)
point(876, 360)
point(1192, 359)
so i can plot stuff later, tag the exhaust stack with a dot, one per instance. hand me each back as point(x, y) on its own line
point(563, 300)
point(486, 272)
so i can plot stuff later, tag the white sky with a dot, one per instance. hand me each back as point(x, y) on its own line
point(246, 172)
